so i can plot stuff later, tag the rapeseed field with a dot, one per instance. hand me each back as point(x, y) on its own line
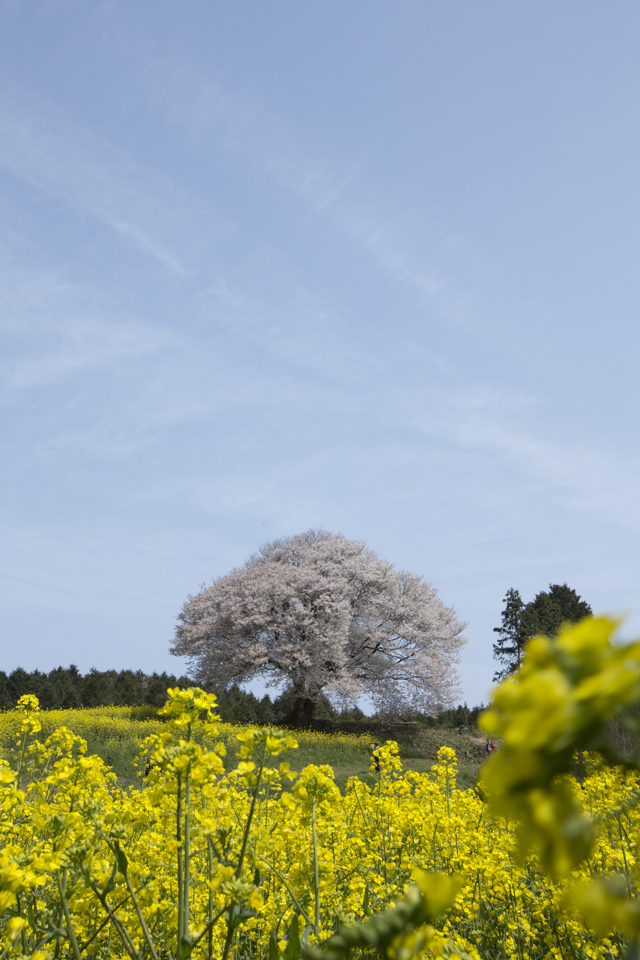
point(115, 734)
point(260, 861)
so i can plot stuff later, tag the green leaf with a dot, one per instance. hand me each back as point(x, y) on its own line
point(274, 953)
point(111, 882)
point(121, 858)
point(365, 901)
point(186, 948)
point(257, 879)
point(304, 936)
point(240, 916)
point(292, 950)
point(381, 929)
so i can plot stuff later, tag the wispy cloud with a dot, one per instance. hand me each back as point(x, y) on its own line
point(56, 327)
point(343, 195)
point(46, 149)
point(283, 313)
point(495, 423)
point(83, 344)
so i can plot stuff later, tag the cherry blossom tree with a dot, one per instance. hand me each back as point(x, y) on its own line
point(323, 613)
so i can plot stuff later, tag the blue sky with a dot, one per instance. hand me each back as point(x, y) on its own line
point(369, 267)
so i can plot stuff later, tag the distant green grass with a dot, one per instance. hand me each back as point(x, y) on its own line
point(116, 735)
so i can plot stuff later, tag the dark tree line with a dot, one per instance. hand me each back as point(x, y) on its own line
point(66, 688)
point(237, 706)
point(460, 716)
point(544, 615)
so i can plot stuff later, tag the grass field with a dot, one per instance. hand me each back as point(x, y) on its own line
point(115, 734)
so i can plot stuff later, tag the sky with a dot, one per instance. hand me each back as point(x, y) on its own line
point(366, 267)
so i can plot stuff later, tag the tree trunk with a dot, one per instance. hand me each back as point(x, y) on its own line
point(302, 713)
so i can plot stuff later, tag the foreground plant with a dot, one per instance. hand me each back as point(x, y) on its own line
point(261, 863)
point(556, 707)
point(84, 865)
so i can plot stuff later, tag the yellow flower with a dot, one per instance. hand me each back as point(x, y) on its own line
point(14, 926)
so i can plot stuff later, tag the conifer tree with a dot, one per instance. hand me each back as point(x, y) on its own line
point(509, 647)
point(550, 609)
point(544, 615)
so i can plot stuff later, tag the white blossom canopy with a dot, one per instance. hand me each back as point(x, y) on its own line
point(323, 613)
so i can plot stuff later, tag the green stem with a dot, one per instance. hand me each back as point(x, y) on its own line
point(210, 878)
point(229, 937)
point(357, 795)
point(187, 852)
point(56, 955)
point(145, 929)
point(23, 933)
point(245, 841)
point(101, 927)
point(299, 906)
point(180, 861)
point(247, 828)
point(62, 890)
point(22, 753)
point(209, 930)
point(122, 933)
point(316, 877)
